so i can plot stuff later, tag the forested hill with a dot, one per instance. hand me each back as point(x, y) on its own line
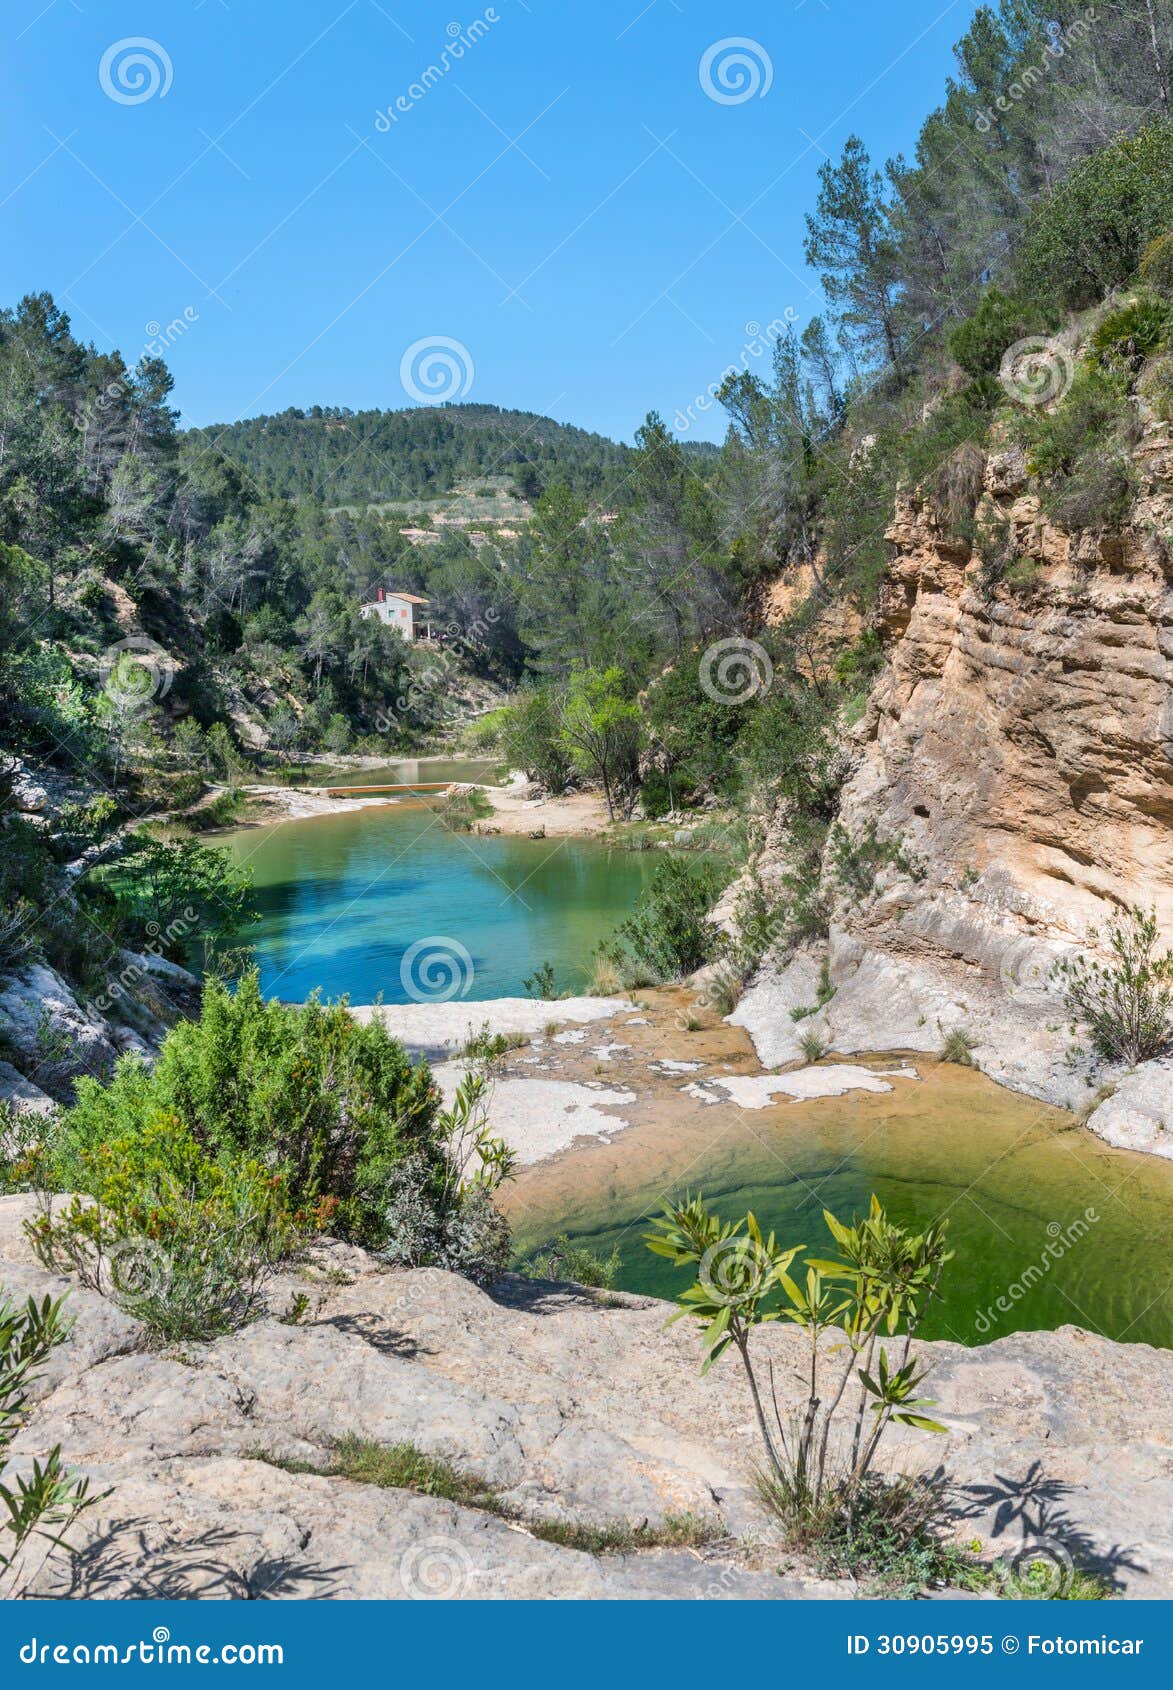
point(356, 457)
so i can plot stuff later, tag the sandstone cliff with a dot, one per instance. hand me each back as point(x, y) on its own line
point(1019, 744)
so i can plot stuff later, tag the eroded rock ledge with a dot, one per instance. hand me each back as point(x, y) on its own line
point(576, 1407)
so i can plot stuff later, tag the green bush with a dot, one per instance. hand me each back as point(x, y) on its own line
point(1079, 449)
point(668, 930)
point(1126, 1004)
point(1088, 235)
point(182, 1240)
point(979, 342)
point(1125, 338)
point(562, 1259)
point(1156, 265)
point(176, 893)
point(820, 1463)
point(1156, 386)
point(305, 1088)
point(528, 735)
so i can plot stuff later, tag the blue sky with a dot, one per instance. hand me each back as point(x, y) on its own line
point(566, 201)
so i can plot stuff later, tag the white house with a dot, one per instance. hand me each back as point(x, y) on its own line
point(398, 611)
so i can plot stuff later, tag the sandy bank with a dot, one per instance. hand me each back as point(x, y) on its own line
point(515, 810)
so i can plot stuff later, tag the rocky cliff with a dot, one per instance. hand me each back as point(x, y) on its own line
point(1019, 745)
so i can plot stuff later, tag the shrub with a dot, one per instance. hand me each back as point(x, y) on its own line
point(528, 734)
point(541, 983)
point(176, 893)
point(305, 1088)
point(562, 1259)
point(1156, 265)
point(44, 1502)
point(1087, 236)
point(440, 1212)
point(669, 931)
point(1079, 449)
point(958, 1047)
point(979, 342)
point(891, 1535)
point(1126, 1004)
point(1125, 338)
point(460, 811)
point(885, 1281)
point(813, 1047)
point(855, 863)
point(1156, 386)
point(183, 1241)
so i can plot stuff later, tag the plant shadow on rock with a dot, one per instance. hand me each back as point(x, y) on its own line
point(126, 1562)
point(1035, 1504)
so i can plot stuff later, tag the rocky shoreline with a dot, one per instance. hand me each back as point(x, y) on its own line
point(579, 1408)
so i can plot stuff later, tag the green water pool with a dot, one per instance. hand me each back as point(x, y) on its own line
point(1049, 1225)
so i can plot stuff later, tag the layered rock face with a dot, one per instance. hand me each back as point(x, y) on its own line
point(1020, 746)
point(1027, 737)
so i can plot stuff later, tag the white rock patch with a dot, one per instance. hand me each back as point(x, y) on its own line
point(758, 1091)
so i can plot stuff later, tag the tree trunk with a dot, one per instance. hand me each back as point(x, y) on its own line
point(1158, 65)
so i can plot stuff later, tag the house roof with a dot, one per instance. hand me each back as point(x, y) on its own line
point(402, 598)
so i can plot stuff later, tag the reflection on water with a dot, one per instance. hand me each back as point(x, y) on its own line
point(1049, 1226)
point(343, 897)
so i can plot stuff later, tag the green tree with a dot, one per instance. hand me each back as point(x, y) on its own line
point(849, 241)
point(601, 728)
point(176, 893)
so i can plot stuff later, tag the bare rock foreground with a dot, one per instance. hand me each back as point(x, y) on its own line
point(574, 1406)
